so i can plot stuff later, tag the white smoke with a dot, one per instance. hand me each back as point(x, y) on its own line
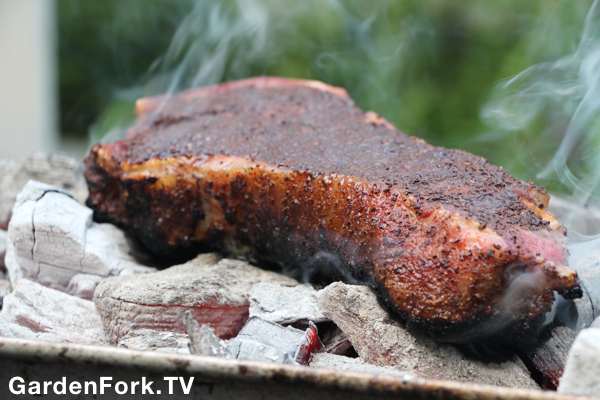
point(211, 36)
point(215, 39)
point(563, 98)
point(241, 38)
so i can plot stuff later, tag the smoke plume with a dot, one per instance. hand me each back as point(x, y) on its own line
point(561, 98)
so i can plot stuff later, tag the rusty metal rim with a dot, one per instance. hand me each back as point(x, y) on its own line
point(221, 369)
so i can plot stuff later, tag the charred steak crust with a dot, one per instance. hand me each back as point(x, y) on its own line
point(292, 172)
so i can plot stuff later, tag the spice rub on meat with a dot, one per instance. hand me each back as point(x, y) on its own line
point(292, 172)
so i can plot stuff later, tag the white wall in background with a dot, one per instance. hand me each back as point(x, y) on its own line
point(27, 77)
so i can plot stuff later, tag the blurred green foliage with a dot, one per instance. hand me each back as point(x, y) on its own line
point(427, 65)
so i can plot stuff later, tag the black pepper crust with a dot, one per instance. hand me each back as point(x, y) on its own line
point(322, 133)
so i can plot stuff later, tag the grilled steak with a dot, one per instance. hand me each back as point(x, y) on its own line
point(292, 172)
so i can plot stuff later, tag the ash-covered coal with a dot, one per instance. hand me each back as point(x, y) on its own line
point(214, 289)
point(203, 340)
point(155, 340)
point(259, 340)
point(262, 340)
point(284, 304)
point(582, 372)
point(56, 170)
point(33, 311)
point(52, 239)
point(84, 285)
point(380, 340)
